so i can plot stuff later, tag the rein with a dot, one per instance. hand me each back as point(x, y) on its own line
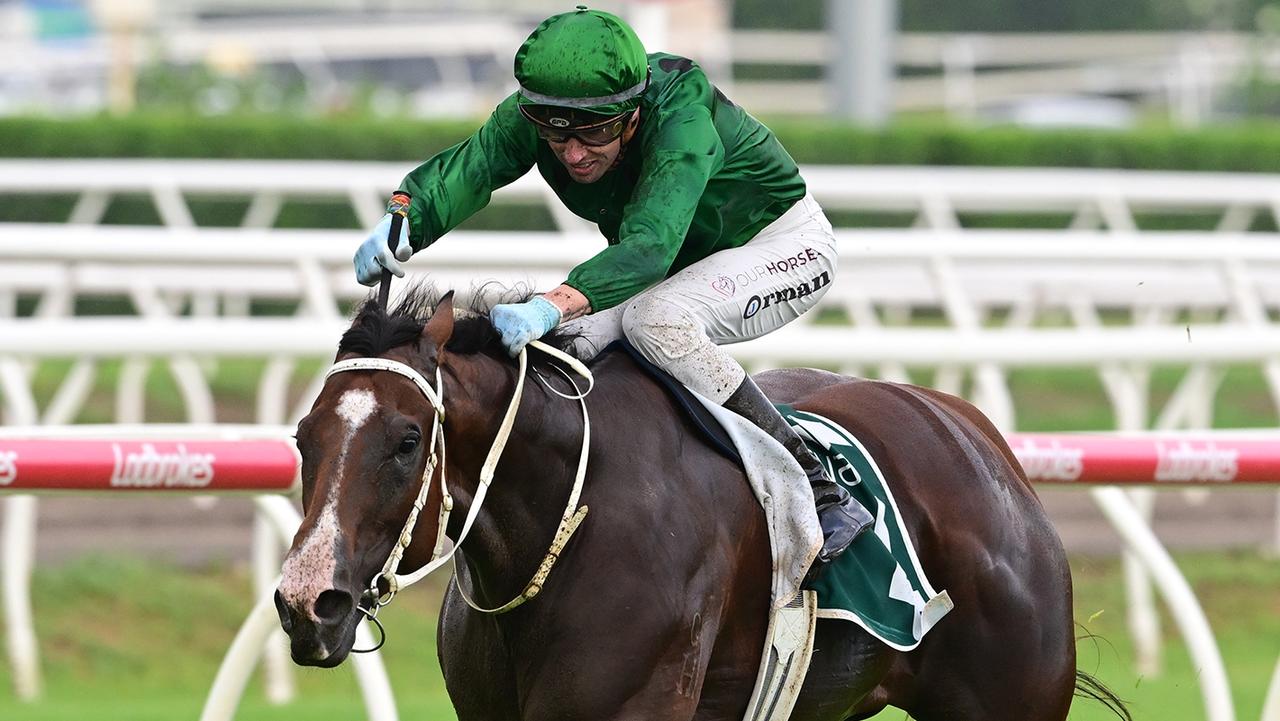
point(569, 520)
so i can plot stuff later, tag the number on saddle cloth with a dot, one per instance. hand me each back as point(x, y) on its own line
point(839, 468)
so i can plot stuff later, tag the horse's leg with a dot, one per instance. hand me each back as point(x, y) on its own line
point(624, 648)
point(477, 671)
point(1007, 650)
point(1006, 661)
point(678, 638)
point(1010, 652)
point(562, 682)
point(656, 678)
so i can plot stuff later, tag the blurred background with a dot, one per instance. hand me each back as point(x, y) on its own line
point(1084, 62)
point(1066, 211)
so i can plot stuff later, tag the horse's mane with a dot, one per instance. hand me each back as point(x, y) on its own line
point(375, 331)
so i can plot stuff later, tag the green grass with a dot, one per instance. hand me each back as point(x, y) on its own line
point(124, 640)
point(1241, 596)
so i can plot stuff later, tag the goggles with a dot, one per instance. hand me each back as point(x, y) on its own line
point(597, 134)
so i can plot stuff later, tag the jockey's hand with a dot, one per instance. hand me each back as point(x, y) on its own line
point(520, 323)
point(373, 254)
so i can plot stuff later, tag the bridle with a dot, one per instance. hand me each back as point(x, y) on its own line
point(569, 520)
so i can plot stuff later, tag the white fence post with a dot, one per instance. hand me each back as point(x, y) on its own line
point(18, 539)
point(276, 666)
point(280, 519)
point(1206, 657)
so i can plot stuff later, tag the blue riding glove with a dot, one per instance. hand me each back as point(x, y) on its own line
point(520, 323)
point(373, 254)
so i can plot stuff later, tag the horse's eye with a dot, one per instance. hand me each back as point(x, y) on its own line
point(409, 444)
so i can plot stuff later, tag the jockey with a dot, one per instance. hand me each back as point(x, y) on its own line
point(712, 235)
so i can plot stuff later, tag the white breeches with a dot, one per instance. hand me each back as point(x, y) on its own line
point(730, 296)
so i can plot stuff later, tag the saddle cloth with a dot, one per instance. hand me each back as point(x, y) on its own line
point(878, 583)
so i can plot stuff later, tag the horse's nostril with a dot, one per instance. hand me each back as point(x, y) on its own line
point(282, 610)
point(333, 606)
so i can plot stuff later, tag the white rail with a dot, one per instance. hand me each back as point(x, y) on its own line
point(1032, 269)
point(1026, 277)
point(119, 337)
point(1134, 527)
point(965, 71)
point(1093, 198)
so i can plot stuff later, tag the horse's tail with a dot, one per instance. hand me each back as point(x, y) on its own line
point(1087, 686)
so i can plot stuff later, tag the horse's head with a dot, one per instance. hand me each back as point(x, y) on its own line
point(364, 448)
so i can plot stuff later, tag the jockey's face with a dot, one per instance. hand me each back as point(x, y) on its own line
point(586, 163)
point(589, 163)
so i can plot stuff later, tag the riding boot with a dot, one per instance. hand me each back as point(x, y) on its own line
point(841, 516)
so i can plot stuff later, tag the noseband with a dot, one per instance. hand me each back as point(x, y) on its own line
point(569, 520)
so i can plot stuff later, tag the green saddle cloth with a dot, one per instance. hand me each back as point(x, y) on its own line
point(878, 582)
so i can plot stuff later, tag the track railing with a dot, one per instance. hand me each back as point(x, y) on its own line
point(1015, 279)
point(1102, 462)
point(48, 460)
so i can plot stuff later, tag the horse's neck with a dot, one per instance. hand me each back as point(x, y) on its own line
point(532, 481)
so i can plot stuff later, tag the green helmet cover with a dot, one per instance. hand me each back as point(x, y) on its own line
point(584, 60)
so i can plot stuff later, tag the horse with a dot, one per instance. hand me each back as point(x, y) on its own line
point(658, 606)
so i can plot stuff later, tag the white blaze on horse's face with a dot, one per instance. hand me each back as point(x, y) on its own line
point(354, 407)
point(309, 570)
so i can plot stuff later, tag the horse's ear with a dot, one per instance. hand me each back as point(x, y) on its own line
point(438, 330)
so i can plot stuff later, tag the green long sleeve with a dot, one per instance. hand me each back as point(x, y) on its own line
point(700, 175)
point(458, 181)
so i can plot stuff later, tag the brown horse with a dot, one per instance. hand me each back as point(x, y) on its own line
point(657, 609)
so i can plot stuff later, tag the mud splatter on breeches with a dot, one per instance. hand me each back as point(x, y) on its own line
point(731, 296)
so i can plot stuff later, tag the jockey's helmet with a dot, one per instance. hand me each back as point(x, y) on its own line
point(580, 69)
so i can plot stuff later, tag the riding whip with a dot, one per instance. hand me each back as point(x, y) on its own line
point(384, 285)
